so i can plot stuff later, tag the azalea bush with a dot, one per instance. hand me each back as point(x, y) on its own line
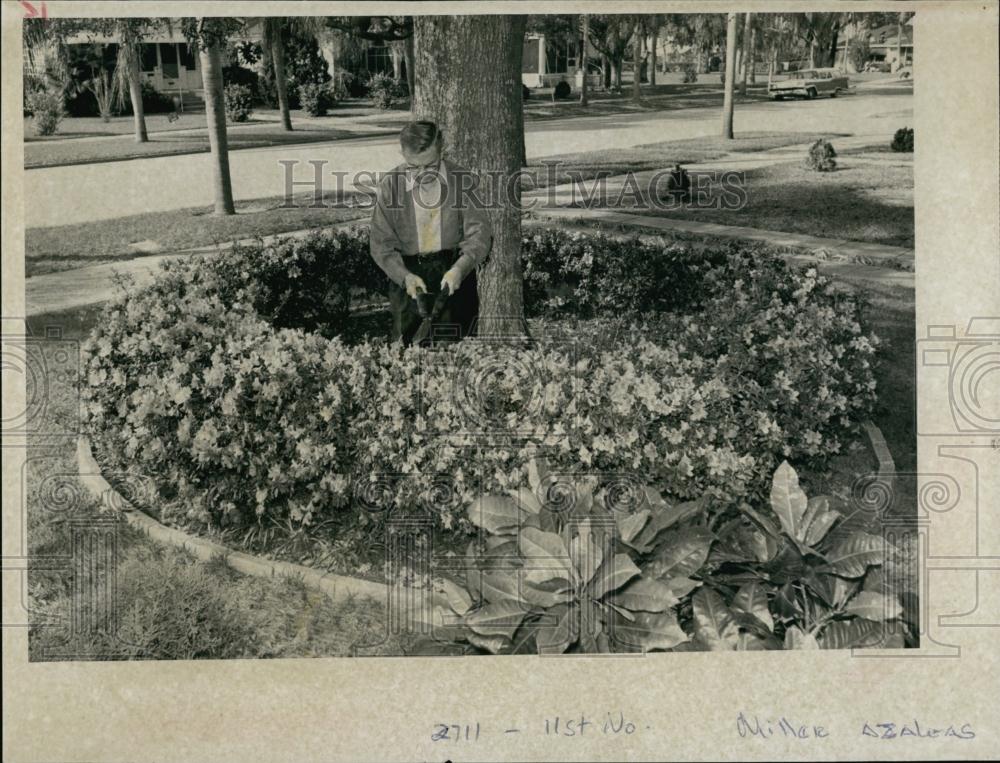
point(237, 382)
point(663, 576)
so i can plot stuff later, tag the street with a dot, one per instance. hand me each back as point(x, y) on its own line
point(88, 192)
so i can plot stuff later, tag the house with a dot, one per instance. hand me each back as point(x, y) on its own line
point(891, 44)
point(548, 62)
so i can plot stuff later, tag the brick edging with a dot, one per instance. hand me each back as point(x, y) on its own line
point(337, 587)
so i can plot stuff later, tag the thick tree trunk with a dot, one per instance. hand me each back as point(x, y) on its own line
point(280, 82)
point(135, 95)
point(727, 102)
point(752, 59)
point(215, 112)
point(468, 73)
point(832, 50)
point(616, 70)
point(606, 69)
point(409, 63)
point(585, 35)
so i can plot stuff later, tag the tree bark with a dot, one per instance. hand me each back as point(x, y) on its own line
point(752, 60)
point(745, 56)
point(606, 69)
point(637, 63)
point(409, 62)
point(468, 73)
point(653, 42)
point(616, 70)
point(215, 112)
point(585, 22)
point(727, 102)
point(135, 95)
point(280, 83)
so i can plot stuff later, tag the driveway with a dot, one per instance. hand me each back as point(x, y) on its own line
point(71, 194)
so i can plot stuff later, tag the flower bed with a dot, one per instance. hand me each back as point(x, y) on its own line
point(236, 382)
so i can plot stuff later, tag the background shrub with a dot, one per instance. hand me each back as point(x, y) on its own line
point(303, 63)
point(240, 75)
point(239, 103)
point(690, 75)
point(316, 98)
point(47, 111)
point(382, 90)
point(902, 141)
point(821, 157)
point(562, 90)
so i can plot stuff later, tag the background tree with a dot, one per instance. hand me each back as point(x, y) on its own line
point(582, 58)
point(727, 101)
point(273, 32)
point(701, 31)
point(745, 57)
point(610, 35)
point(384, 30)
point(209, 36)
point(637, 58)
point(468, 75)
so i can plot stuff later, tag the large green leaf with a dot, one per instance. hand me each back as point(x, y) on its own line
point(796, 638)
point(664, 515)
point(681, 554)
point(545, 556)
point(538, 473)
point(458, 598)
point(650, 631)
point(833, 589)
point(557, 638)
point(874, 606)
point(501, 585)
point(854, 633)
point(644, 595)
point(492, 644)
point(853, 555)
point(818, 520)
point(752, 642)
point(788, 500)
point(586, 549)
point(612, 575)
point(714, 624)
point(751, 599)
point(681, 587)
point(527, 499)
point(494, 513)
point(547, 594)
point(499, 618)
point(629, 525)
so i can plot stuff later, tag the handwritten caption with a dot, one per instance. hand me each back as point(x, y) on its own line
point(751, 726)
point(611, 724)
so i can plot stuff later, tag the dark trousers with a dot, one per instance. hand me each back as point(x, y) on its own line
point(459, 314)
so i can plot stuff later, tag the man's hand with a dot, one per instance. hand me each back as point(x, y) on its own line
point(414, 284)
point(451, 281)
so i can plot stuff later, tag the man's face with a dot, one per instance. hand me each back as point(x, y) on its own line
point(424, 163)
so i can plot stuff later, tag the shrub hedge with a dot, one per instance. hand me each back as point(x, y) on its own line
point(227, 381)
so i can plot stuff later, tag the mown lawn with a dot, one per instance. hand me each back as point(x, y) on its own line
point(868, 198)
point(168, 605)
point(655, 156)
point(167, 143)
point(64, 247)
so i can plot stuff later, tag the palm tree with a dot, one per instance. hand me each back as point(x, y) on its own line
point(129, 32)
point(747, 43)
point(727, 103)
point(584, 23)
point(274, 45)
point(210, 35)
point(637, 60)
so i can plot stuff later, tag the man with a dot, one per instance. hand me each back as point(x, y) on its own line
point(429, 230)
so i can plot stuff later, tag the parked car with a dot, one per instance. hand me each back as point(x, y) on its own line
point(878, 66)
point(809, 83)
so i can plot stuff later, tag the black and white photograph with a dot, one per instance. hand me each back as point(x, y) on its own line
point(504, 333)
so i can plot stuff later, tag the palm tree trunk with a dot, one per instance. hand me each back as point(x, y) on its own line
point(465, 67)
point(280, 83)
point(215, 112)
point(135, 95)
point(727, 103)
point(752, 59)
point(745, 56)
point(585, 21)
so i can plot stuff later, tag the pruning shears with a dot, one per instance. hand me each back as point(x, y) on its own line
point(429, 311)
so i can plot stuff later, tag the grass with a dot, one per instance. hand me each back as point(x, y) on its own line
point(90, 127)
point(64, 247)
point(655, 156)
point(863, 200)
point(168, 605)
point(51, 154)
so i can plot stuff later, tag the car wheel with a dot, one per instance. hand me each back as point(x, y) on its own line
point(811, 93)
point(779, 97)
